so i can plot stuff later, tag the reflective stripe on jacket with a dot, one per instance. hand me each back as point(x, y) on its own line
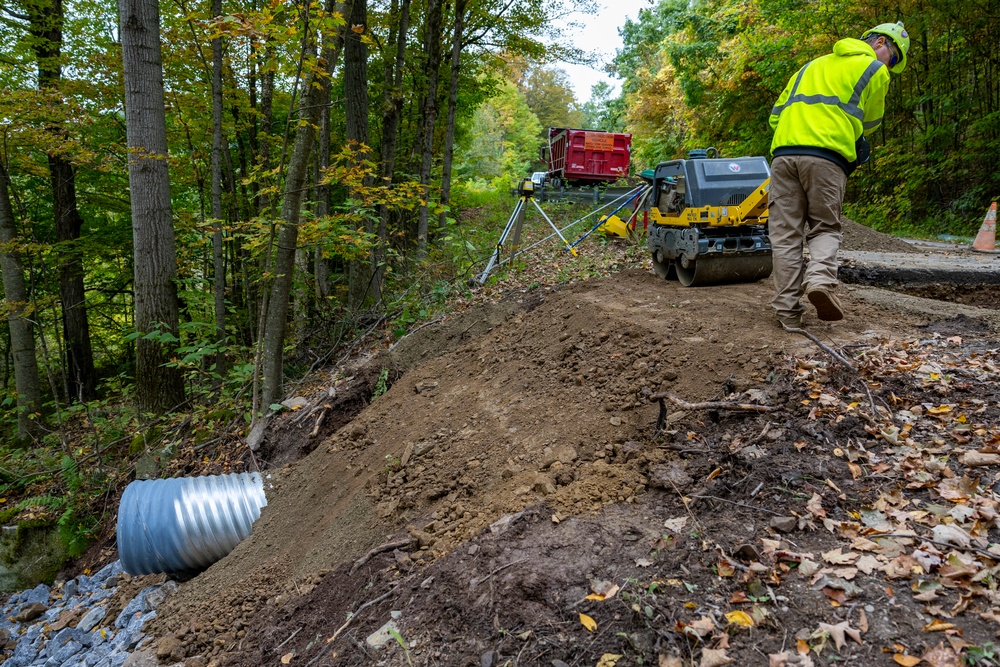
point(831, 101)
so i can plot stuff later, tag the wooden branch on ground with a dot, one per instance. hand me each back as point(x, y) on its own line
point(823, 346)
point(350, 618)
point(501, 569)
point(319, 422)
point(714, 405)
point(388, 546)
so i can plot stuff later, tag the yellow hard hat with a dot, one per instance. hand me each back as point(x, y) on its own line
point(897, 33)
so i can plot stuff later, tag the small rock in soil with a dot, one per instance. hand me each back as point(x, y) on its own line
point(784, 524)
point(30, 612)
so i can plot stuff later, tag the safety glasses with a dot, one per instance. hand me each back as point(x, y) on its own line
point(893, 52)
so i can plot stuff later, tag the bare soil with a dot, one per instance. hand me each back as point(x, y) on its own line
point(519, 464)
point(860, 237)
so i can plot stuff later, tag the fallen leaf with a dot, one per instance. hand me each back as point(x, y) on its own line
point(815, 506)
point(938, 625)
point(609, 660)
point(712, 657)
point(942, 656)
point(740, 618)
point(671, 661)
point(588, 622)
point(952, 534)
point(788, 659)
point(808, 568)
point(838, 631)
point(675, 525)
point(604, 591)
point(703, 627)
point(990, 616)
point(287, 658)
point(835, 557)
point(835, 595)
point(862, 621)
point(979, 459)
point(906, 660)
point(867, 564)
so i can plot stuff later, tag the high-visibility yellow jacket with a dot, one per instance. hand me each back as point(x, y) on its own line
point(829, 103)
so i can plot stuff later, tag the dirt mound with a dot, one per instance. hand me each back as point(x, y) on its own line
point(860, 237)
point(549, 404)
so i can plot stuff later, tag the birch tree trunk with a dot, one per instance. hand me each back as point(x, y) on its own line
point(158, 388)
point(22, 341)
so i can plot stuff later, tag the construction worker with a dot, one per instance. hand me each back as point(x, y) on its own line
point(819, 122)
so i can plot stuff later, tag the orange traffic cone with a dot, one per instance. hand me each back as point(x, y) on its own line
point(986, 240)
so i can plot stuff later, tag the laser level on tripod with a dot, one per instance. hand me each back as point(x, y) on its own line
point(526, 193)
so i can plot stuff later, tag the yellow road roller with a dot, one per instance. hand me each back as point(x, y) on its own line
point(708, 219)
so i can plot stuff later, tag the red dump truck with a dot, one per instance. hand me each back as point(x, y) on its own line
point(586, 157)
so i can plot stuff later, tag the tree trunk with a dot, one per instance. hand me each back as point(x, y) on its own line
point(321, 265)
point(360, 285)
point(449, 136)
point(390, 132)
point(301, 300)
point(22, 342)
point(46, 20)
point(158, 388)
point(218, 265)
point(266, 120)
point(288, 234)
point(432, 42)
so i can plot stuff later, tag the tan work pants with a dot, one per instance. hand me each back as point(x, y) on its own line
point(805, 201)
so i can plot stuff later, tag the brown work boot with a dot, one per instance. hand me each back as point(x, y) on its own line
point(827, 304)
point(789, 322)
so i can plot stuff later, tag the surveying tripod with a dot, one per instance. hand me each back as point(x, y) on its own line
point(526, 193)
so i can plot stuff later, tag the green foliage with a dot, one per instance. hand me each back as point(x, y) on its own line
point(382, 384)
point(503, 139)
point(604, 111)
point(986, 655)
point(402, 643)
point(550, 97)
point(707, 73)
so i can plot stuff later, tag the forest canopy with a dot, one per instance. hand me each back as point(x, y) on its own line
point(317, 155)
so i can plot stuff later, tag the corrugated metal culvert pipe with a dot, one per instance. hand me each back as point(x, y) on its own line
point(185, 524)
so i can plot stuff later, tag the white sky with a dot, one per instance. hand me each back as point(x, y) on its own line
point(599, 33)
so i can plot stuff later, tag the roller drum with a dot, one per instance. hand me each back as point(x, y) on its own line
point(723, 269)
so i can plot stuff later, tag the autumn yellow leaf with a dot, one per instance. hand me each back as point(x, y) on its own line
point(287, 658)
point(740, 618)
point(607, 594)
point(939, 410)
point(906, 660)
point(937, 625)
point(588, 622)
point(609, 660)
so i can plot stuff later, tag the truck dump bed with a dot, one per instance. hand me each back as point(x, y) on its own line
point(588, 157)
